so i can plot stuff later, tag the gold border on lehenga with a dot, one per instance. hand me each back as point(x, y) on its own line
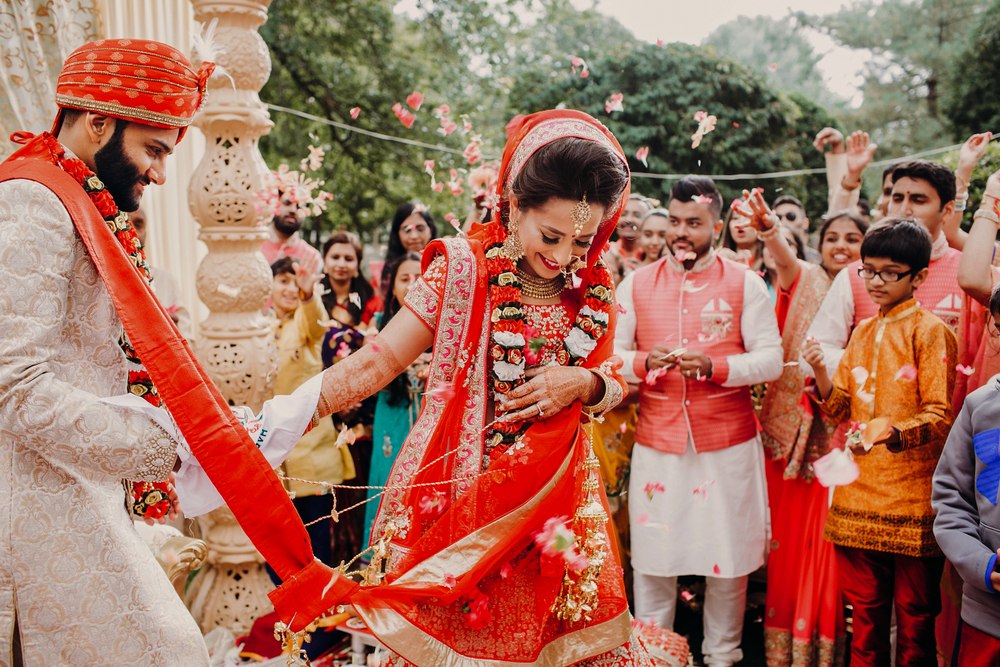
point(567, 649)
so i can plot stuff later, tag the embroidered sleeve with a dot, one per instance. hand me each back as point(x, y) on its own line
point(39, 252)
point(425, 295)
point(932, 419)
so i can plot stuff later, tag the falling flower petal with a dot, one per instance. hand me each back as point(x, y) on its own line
point(659, 42)
point(702, 489)
point(345, 437)
point(505, 570)
point(414, 100)
point(860, 374)
point(654, 375)
point(774, 67)
point(865, 396)
point(452, 219)
point(437, 187)
point(706, 123)
point(907, 372)
point(716, 570)
point(355, 112)
point(652, 488)
point(615, 103)
point(642, 519)
point(701, 199)
point(404, 116)
point(449, 580)
point(623, 427)
point(836, 468)
point(680, 255)
point(688, 595)
point(642, 154)
point(228, 291)
point(434, 503)
point(736, 124)
point(791, 363)
point(442, 391)
point(965, 370)
point(700, 115)
point(621, 309)
point(442, 110)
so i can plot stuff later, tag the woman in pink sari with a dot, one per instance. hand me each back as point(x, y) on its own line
point(492, 543)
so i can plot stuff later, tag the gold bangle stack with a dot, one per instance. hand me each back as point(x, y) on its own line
point(610, 398)
point(989, 214)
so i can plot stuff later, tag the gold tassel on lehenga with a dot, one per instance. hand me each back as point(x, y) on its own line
point(577, 599)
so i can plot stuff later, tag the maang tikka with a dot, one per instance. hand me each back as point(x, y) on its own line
point(580, 215)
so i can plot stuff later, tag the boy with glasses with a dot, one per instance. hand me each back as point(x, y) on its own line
point(897, 375)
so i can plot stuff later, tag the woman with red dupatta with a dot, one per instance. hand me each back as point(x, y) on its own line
point(492, 543)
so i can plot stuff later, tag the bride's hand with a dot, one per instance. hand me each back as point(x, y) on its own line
point(549, 390)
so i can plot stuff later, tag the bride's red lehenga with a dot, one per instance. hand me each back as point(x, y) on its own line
point(464, 582)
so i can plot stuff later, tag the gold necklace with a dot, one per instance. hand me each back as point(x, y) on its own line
point(540, 288)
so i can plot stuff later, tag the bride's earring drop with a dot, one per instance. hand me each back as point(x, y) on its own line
point(512, 247)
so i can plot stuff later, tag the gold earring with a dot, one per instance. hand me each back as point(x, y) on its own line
point(512, 247)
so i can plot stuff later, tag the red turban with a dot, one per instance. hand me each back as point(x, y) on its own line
point(134, 79)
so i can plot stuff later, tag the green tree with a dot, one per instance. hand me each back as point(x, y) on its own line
point(912, 44)
point(759, 129)
point(972, 101)
point(778, 50)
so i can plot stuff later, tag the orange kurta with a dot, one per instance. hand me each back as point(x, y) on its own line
point(888, 508)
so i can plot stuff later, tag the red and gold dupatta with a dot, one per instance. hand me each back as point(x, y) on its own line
point(787, 416)
point(467, 586)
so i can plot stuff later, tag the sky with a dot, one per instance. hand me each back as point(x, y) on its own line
point(692, 22)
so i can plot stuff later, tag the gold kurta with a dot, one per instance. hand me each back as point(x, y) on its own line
point(888, 508)
point(85, 588)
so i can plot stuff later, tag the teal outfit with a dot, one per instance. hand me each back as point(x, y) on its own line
point(392, 425)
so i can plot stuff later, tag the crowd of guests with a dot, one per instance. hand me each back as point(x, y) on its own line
point(755, 343)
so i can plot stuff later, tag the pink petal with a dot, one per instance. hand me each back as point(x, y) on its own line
point(642, 519)
point(774, 67)
point(623, 427)
point(836, 469)
point(907, 372)
point(965, 370)
point(659, 42)
point(449, 580)
point(654, 375)
point(736, 124)
point(716, 570)
point(355, 112)
point(687, 595)
point(577, 61)
point(443, 391)
point(437, 187)
point(701, 199)
point(584, 74)
point(505, 570)
point(700, 115)
point(414, 100)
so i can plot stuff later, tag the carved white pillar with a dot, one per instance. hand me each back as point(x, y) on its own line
point(234, 280)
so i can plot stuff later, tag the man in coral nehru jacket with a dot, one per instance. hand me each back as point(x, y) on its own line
point(697, 332)
point(77, 584)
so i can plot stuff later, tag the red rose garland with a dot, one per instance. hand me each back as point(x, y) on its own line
point(508, 317)
point(149, 499)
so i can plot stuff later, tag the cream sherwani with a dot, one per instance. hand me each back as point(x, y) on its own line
point(85, 589)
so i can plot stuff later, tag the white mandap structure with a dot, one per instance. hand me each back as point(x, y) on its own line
point(212, 241)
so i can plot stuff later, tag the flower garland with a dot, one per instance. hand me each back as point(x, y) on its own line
point(507, 346)
point(148, 498)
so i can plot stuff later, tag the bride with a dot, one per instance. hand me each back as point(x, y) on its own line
point(492, 539)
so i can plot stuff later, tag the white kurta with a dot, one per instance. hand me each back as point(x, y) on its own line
point(85, 588)
point(711, 516)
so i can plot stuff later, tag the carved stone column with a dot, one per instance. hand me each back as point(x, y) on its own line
point(234, 280)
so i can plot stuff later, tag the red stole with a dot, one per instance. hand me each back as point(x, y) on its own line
point(233, 463)
point(697, 311)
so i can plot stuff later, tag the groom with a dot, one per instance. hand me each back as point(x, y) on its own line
point(79, 326)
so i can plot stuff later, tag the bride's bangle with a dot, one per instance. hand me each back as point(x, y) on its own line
point(612, 396)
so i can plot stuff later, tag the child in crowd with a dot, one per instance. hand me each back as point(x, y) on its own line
point(898, 366)
point(967, 522)
point(296, 316)
point(652, 236)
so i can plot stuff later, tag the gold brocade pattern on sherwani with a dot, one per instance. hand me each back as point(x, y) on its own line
point(888, 508)
point(86, 588)
point(781, 650)
point(791, 431)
